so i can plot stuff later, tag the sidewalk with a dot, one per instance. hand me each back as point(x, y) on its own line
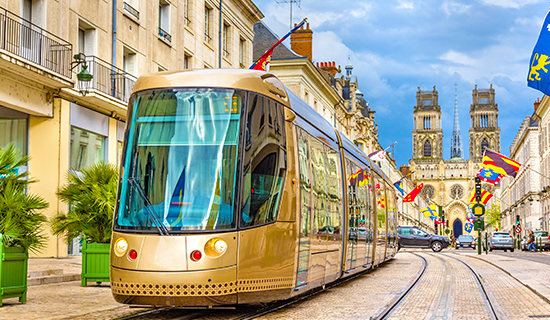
point(55, 292)
point(533, 274)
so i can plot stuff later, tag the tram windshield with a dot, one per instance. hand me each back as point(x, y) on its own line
point(179, 164)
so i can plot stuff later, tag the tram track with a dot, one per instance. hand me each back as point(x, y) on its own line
point(443, 304)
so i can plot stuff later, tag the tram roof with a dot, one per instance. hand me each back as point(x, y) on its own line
point(262, 82)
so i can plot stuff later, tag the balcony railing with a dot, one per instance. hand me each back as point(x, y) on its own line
point(165, 35)
point(30, 42)
point(109, 79)
point(128, 8)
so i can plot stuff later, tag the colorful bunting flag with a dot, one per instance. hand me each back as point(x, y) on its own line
point(485, 196)
point(488, 175)
point(538, 77)
point(500, 164)
point(430, 211)
point(399, 186)
point(412, 195)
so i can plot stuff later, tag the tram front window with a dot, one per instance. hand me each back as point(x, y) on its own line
point(180, 162)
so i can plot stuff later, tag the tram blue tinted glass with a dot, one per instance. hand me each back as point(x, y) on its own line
point(180, 166)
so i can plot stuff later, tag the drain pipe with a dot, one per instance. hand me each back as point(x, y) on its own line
point(220, 36)
point(113, 46)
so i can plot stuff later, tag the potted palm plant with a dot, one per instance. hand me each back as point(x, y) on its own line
point(91, 195)
point(21, 223)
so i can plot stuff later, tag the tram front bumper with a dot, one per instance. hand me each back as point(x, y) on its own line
point(190, 288)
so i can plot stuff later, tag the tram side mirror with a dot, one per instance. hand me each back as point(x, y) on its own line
point(289, 115)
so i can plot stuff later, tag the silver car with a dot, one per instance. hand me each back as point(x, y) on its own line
point(501, 241)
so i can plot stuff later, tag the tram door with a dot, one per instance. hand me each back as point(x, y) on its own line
point(305, 209)
point(391, 225)
point(334, 221)
point(369, 219)
point(381, 234)
point(356, 240)
point(319, 205)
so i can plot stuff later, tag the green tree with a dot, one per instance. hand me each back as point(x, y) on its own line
point(21, 219)
point(492, 215)
point(91, 196)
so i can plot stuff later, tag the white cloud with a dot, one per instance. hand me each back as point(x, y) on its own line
point(451, 7)
point(405, 4)
point(509, 3)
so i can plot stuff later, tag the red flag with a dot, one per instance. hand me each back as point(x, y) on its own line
point(263, 62)
point(412, 195)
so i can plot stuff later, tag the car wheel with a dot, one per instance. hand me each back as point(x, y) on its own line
point(474, 247)
point(505, 250)
point(512, 250)
point(491, 249)
point(456, 248)
point(436, 246)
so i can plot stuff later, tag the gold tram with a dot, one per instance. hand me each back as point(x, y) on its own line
point(234, 191)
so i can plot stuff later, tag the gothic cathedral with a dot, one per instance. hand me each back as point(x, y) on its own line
point(450, 183)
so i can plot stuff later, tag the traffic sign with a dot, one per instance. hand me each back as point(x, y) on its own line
point(518, 229)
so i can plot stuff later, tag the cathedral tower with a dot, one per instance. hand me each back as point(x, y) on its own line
point(427, 132)
point(484, 130)
point(456, 140)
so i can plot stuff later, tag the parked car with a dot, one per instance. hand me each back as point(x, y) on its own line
point(416, 237)
point(465, 241)
point(500, 241)
point(541, 237)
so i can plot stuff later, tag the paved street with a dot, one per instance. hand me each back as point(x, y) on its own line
point(517, 284)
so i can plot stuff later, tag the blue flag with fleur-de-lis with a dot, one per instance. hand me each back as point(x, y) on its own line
point(538, 77)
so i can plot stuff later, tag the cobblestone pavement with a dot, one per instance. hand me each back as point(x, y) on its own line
point(514, 301)
point(447, 291)
point(360, 298)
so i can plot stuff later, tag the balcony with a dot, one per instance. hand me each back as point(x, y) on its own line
point(28, 41)
point(131, 10)
point(165, 35)
point(108, 79)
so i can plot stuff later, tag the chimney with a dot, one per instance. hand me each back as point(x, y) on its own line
point(301, 42)
point(537, 104)
point(330, 67)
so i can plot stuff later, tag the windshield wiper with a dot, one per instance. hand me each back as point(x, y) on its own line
point(149, 207)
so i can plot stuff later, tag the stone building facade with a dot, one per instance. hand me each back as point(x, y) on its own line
point(449, 183)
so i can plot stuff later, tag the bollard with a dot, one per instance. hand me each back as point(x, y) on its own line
point(486, 244)
point(540, 244)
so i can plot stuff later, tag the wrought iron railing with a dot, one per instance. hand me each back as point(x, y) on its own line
point(165, 35)
point(30, 42)
point(109, 79)
point(128, 8)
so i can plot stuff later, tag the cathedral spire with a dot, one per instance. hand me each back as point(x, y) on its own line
point(456, 141)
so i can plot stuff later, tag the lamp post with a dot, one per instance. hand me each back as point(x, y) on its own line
point(84, 77)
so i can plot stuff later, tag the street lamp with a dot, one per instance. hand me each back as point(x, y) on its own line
point(84, 77)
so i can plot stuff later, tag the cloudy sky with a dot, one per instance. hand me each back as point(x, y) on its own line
point(397, 46)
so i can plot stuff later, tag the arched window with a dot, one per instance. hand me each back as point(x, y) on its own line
point(484, 145)
point(427, 148)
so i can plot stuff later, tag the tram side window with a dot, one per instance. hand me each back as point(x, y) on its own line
point(264, 161)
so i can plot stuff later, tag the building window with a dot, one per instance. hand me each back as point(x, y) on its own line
point(207, 31)
point(242, 50)
point(164, 20)
point(130, 7)
point(427, 148)
point(86, 38)
point(186, 19)
point(129, 61)
point(427, 123)
point(483, 100)
point(427, 102)
point(484, 145)
point(13, 129)
point(86, 148)
point(187, 61)
point(225, 37)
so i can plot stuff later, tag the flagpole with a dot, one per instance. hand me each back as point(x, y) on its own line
point(281, 40)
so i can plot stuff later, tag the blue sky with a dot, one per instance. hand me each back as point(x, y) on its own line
point(397, 46)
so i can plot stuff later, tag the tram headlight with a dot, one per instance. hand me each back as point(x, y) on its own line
point(215, 247)
point(121, 246)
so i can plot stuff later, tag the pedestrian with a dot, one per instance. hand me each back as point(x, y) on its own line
point(531, 241)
